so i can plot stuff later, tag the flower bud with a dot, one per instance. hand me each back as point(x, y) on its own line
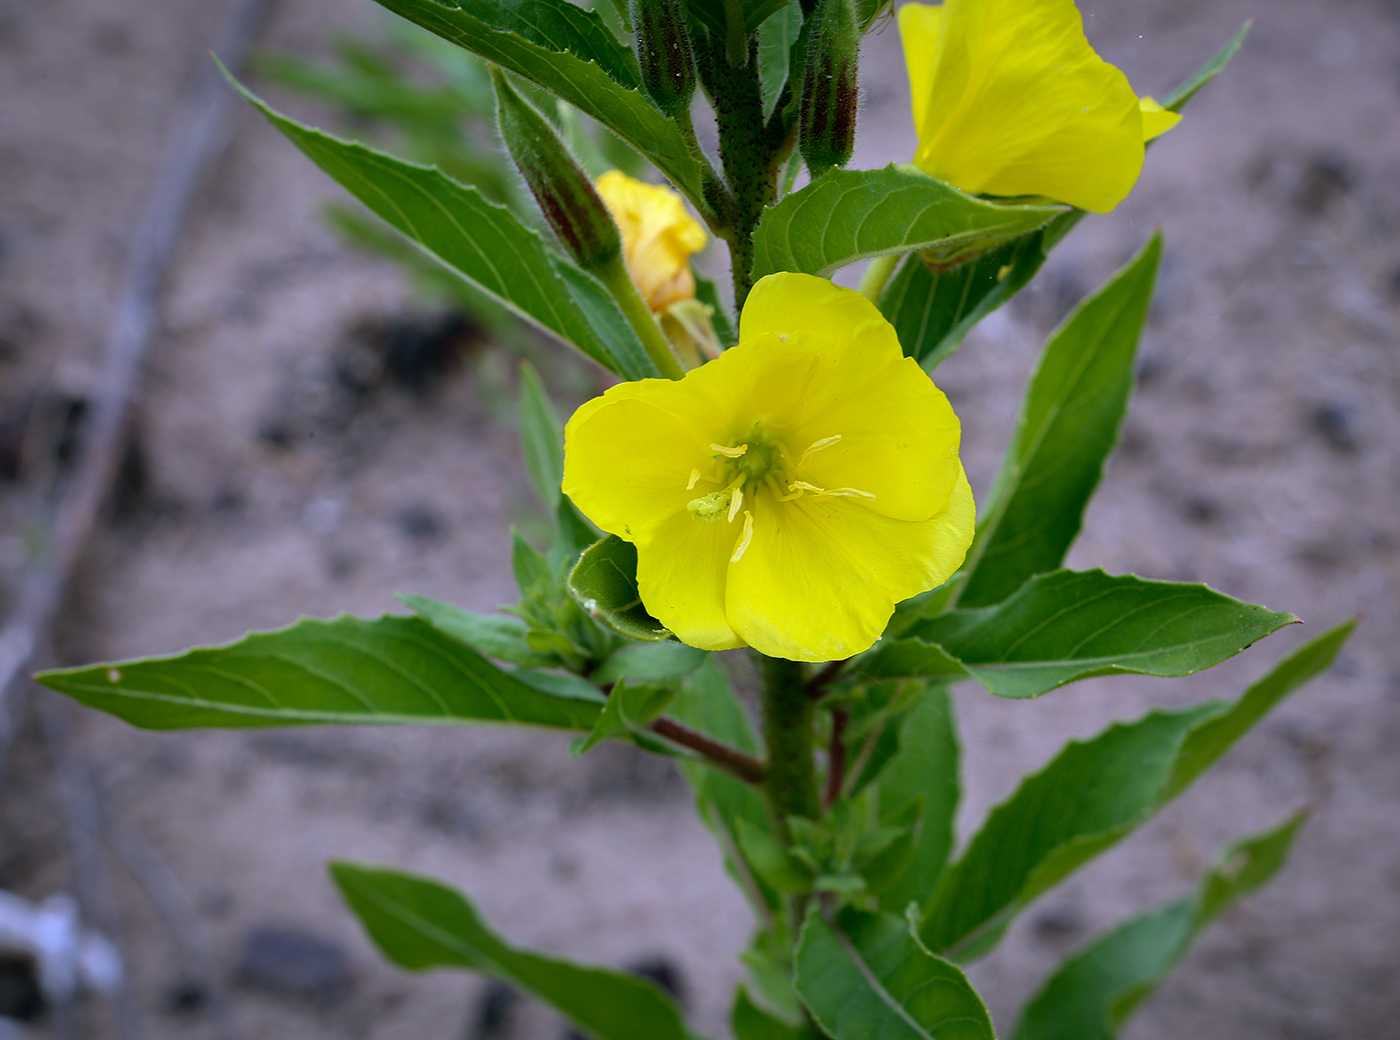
point(827, 118)
point(663, 52)
point(563, 191)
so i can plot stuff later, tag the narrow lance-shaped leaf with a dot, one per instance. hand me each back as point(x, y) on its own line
point(498, 32)
point(1067, 427)
point(924, 769)
point(1089, 797)
point(867, 976)
point(541, 438)
point(1097, 988)
point(629, 708)
point(384, 670)
point(479, 240)
point(419, 923)
point(851, 215)
point(1071, 625)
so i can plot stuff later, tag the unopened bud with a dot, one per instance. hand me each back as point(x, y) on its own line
point(827, 117)
point(663, 52)
point(563, 191)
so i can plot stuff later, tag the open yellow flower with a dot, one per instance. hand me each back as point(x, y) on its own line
point(658, 237)
point(1010, 99)
point(787, 494)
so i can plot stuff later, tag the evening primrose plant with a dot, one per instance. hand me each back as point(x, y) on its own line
point(775, 469)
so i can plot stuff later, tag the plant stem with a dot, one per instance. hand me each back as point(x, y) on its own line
point(836, 758)
point(791, 782)
point(731, 760)
point(614, 275)
point(872, 283)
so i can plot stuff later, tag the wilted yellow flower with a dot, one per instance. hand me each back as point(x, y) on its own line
point(658, 237)
point(787, 494)
point(1010, 99)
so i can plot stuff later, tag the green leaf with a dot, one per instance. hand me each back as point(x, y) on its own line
point(850, 215)
point(773, 864)
point(1176, 100)
point(492, 30)
point(1071, 625)
point(747, 1021)
point(649, 662)
point(1089, 797)
point(604, 581)
point(708, 293)
point(482, 242)
point(924, 770)
point(932, 312)
point(541, 438)
point(349, 670)
point(419, 923)
point(629, 709)
point(707, 703)
point(1095, 990)
point(1067, 427)
point(775, 39)
point(867, 977)
point(491, 635)
point(712, 13)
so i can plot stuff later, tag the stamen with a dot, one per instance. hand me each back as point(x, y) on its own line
point(733, 453)
point(694, 479)
point(817, 446)
point(772, 482)
point(744, 538)
point(735, 501)
point(801, 485)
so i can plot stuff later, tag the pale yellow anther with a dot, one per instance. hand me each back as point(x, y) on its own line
point(735, 501)
point(816, 446)
point(694, 479)
point(733, 453)
point(744, 538)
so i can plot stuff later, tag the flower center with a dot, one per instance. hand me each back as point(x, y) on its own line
point(759, 460)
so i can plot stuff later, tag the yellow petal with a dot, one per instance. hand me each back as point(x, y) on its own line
point(681, 573)
point(658, 237)
point(1156, 120)
point(821, 576)
point(1016, 102)
point(898, 434)
point(628, 455)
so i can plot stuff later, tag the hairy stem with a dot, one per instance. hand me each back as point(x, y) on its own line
point(614, 275)
point(791, 783)
point(872, 283)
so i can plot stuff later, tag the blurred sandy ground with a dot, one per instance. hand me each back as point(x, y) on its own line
point(1259, 456)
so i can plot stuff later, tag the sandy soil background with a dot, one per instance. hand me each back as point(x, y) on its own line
point(1259, 456)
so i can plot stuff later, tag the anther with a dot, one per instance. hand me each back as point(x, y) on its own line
point(744, 538)
point(694, 479)
point(733, 453)
point(735, 501)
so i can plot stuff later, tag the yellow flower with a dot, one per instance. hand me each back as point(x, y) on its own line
point(1010, 99)
point(787, 494)
point(658, 237)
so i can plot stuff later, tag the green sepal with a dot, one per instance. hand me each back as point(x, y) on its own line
point(604, 582)
point(569, 202)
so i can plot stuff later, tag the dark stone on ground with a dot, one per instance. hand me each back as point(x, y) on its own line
point(293, 963)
